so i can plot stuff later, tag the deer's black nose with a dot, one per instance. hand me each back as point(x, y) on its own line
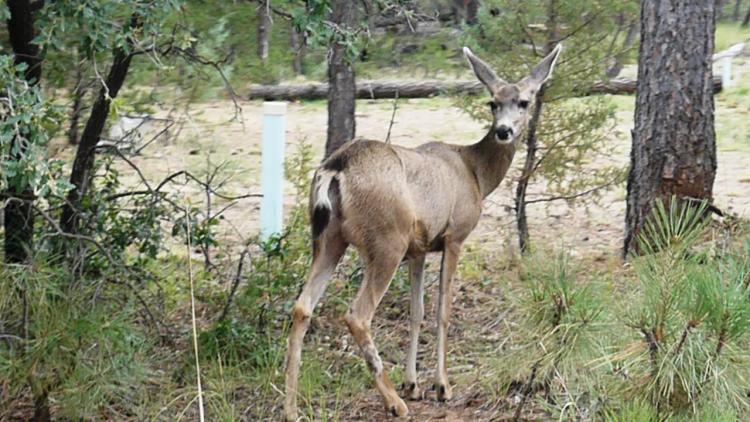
point(503, 132)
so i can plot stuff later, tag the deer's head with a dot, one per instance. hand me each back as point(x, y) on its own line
point(510, 103)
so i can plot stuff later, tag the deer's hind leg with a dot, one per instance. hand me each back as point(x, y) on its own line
point(327, 253)
point(445, 299)
point(411, 388)
point(381, 264)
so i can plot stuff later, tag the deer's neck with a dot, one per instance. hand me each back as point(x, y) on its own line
point(489, 160)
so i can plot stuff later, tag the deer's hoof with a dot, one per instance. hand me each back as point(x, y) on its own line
point(397, 408)
point(411, 391)
point(444, 392)
point(290, 415)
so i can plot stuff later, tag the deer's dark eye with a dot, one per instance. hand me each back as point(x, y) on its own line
point(523, 104)
point(493, 105)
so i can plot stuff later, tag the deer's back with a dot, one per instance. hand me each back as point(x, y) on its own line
point(401, 194)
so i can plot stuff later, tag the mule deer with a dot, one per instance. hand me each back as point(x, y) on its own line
point(393, 203)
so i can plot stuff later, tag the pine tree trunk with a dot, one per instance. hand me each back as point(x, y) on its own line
point(341, 83)
point(18, 217)
point(75, 109)
point(299, 49)
point(264, 29)
point(459, 11)
point(746, 21)
point(41, 408)
point(673, 148)
point(80, 174)
point(620, 57)
point(531, 140)
point(472, 9)
point(18, 213)
point(736, 12)
point(528, 171)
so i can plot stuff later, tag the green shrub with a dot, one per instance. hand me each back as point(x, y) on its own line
point(563, 327)
point(253, 334)
point(79, 343)
point(693, 317)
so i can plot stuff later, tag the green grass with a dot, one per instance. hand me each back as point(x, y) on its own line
point(733, 103)
point(728, 34)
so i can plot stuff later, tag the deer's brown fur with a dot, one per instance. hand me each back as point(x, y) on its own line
point(394, 203)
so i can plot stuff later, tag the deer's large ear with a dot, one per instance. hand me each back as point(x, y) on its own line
point(483, 71)
point(542, 71)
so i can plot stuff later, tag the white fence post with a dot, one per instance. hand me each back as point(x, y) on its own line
point(272, 177)
point(725, 57)
point(726, 75)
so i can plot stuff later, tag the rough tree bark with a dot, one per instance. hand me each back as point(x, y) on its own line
point(264, 30)
point(528, 170)
point(366, 90)
point(80, 174)
point(531, 140)
point(472, 8)
point(75, 109)
point(736, 12)
point(673, 147)
point(18, 215)
point(299, 49)
point(457, 9)
point(619, 63)
point(465, 11)
point(342, 88)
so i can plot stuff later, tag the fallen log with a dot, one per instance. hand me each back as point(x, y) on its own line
point(373, 90)
point(366, 90)
point(626, 86)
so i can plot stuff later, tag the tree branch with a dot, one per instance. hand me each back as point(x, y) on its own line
point(235, 284)
point(573, 196)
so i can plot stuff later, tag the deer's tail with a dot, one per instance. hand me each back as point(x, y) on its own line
point(325, 196)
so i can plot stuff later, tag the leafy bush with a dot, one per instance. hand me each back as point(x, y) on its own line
point(29, 122)
point(129, 225)
point(277, 272)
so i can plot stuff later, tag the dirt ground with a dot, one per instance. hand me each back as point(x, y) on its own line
point(591, 231)
point(209, 138)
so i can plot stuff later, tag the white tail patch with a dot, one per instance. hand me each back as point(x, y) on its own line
point(321, 198)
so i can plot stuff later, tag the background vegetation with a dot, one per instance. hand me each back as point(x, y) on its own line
point(97, 323)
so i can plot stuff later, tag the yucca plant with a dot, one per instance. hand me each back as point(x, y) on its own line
point(673, 227)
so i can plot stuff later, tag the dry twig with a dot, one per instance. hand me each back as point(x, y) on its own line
point(192, 314)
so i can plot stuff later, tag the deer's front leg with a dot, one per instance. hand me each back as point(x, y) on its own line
point(447, 268)
point(411, 388)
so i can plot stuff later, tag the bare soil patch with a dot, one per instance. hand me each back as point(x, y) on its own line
point(209, 138)
point(479, 327)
